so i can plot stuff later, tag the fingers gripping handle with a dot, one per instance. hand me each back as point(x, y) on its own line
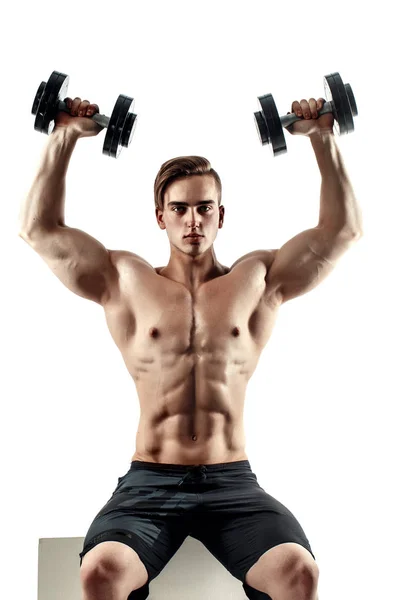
point(101, 120)
point(288, 120)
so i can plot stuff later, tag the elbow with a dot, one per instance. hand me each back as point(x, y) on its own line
point(25, 234)
point(357, 234)
point(351, 232)
point(22, 233)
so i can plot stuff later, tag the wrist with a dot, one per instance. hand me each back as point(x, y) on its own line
point(321, 136)
point(57, 152)
point(326, 152)
point(65, 135)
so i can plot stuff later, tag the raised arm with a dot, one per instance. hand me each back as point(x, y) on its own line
point(307, 259)
point(82, 263)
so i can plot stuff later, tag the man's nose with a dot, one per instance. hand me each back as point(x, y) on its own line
point(193, 218)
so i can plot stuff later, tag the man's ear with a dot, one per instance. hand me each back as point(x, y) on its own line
point(221, 216)
point(160, 218)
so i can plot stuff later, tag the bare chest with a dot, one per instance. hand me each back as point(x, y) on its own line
point(228, 313)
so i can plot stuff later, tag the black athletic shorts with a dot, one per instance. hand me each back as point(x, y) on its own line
point(155, 506)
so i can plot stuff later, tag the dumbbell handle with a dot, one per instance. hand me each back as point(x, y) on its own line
point(287, 120)
point(101, 120)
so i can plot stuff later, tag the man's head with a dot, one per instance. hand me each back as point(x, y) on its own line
point(187, 195)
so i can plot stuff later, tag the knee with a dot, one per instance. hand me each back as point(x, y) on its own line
point(93, 575)
point(306, 581)
point(103, 572)
point(112, 568)
point(111, 571)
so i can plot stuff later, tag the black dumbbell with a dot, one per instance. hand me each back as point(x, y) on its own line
point(340, 102)
point(49, 100)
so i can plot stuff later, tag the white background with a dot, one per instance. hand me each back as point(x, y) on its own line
point(322, 434)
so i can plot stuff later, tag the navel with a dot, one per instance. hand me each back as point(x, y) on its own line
point(236, 331)
point(154, 332)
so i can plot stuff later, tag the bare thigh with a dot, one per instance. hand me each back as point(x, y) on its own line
point(116, 559)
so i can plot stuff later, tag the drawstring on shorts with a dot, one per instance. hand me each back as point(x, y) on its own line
point(193, 474)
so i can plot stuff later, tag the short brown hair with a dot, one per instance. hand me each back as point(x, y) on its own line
point(177, 168)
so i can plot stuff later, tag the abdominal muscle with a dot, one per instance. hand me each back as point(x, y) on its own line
point(172, 443)
point(187, 430)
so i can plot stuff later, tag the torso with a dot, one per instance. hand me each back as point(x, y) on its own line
point(191, 355)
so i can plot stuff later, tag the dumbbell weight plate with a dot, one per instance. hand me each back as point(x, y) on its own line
point(352, 100)
point(262, 128)
point(121, 127)
point(129, 130)
point(349, 102)
point(336, 92)
point(38, 97)
point(273, 124)
point(47, 99)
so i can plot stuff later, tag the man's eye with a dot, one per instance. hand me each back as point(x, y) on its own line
point(178, 208)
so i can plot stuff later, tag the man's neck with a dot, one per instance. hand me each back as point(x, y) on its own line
point(192, 272)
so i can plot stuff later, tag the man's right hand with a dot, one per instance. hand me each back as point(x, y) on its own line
point(78, 120)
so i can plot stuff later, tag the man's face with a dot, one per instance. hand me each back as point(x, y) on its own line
point(191, 207)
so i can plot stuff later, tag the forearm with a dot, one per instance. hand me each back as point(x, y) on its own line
point(44, 205)
point(339, 208)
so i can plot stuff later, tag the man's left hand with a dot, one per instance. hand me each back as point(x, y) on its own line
point(311, 122)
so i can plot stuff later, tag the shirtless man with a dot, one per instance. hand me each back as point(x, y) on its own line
point(191, 334)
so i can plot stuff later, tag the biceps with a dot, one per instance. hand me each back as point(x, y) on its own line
point(305, 274)
point(79, 261)
point(305, 261)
